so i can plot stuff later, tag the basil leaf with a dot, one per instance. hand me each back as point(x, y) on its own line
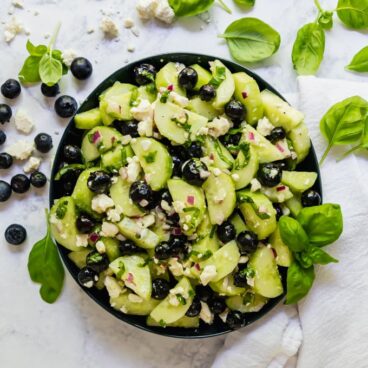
point(58, 55)
point(353, 13)
point(359, 63)
point(319, 256)
point(45, 267)
point(188, 8)
point(35, 50)
point(251, 40)
point(308, 49)
point(293, 234)
point(344, 122)
point(29, 72)
point(299, 281)
point(247, 4)
point(325, 19)
point(323, 224)
point(304, 260)
point(51, 70)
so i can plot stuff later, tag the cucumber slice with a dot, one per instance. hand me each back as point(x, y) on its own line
point(226, 287)
point(300, 140)
point(265, 150)
point(203, 108)
point(88, 119)
point(79, 257)
point(62, 223)
point(221, 197)
point(279, 112)
point(117, 107)
point(278, 194)
point(205, 227)
point(106, 118)
point(196, 122)
point(226, 89)
point(144, 308)
point(155, 161)
point(248, 172)
point(119, 192)
point(216, 150)
point(167, 313)
point(112, 248)
point(247, 303)
point(135, 274)
point(144, 238)
point(225, 260)
point(116, 158)
point(146, 93)
point(168, 75)
point(294, 204)
point(299, 181)
point(181, 192)
point(184, 322)
point(284, 256)
point(251, 212)
point(238, 223)
point(116, 89)
point(207, 245)
point(160, 231)
point(204, 76)
point(98, 140)
point(267, 280)
point(248, 93)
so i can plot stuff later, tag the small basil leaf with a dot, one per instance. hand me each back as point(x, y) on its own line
point(246, 4)
point(35, 50)
point(57, 54)
point(304, 260)
point(319, 256)
point(293, 234)
point(29, 72)
point(325, 19)
point(251, 40)
point(299, 281)
point(51, 70)
point(188, 8)
point(359, 63)
point(353, 13)
point(308, 49)
point(323, 224)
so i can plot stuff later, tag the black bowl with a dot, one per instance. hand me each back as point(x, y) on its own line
point(74, 136)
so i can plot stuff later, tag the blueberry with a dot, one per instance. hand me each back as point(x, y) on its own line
point(128, 247)
point(43, 142)
point(231, 140)
point(11, 89)
point(311, 198)
point(207, 92)
point(188, 78)
point(282, 164)
point(235, 320)
point(97, 262)
point(38, 179)
point(160, 289)
point(269, 174)
point(235, 111)
point(81, 68)
point(165, 250)
point(141, 194)
point(85, 224)
point(204, 293)
point(69, 179)
point(276, 134)
point(66, 106)
point(15, 234)
point(217, 305)
point(144, 74)
point(50, 91)
point(166, 196)
point(278, 210)
point(192, 171)
point(226, 232)
point(5, 191)
point(173, 219)
point(177, 163)
point(2, 137)
point(127, 128)
point(99, 182)
point(20, 183)
point(177, 243)
point(195, 150)
point(5, 113)
point(240, 279)
point(5, 160)
point(247, 242)
point(195, 308)
point(87, 277)
point(72, 154)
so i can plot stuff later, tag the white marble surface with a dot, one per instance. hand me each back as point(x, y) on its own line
point(75, 332)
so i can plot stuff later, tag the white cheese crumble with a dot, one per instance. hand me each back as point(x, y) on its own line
point(208, 274)
point(133, 169)
point(114, 214)
point(21, 149)
point(243, 259)
point(180, 100)
point(219, 126)
point(264, 127)
point(130, 47)
point(235, 177)
point(100, 247)
point(160, 9)
point(145, 128)
point(81, 240)
point(146, 9)
point(178, 206)
point(12, 29)
point(173, 300)
point(23, 123)
point(223, 315)
point(175, 267)
point(109, 229)
point(18, 4)
point(135, 298)
point(32, 164)
point(205, 315)
point(101, 202)
point(255, 185)
point(68, 56)
point(146, 221)
point(109, 28)
point(128, 23)
point(112, 286)
point(144, 111)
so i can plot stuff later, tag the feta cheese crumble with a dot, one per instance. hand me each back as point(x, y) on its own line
point(205, 315)
point(135, 298)
point(12, 29)
point(100, 247)
point(255, 185)
point(101, 202)
point(128, 23)
point(218, 127)
point(109, 229)
point(264, 127)
point(32, 164)
point(113, 287)
point(21, 149)
point(144, 111)
point(23, 123)
point(68, 56)
point(208, 274)
point(133, 169)
point(81, 240)
point(109, 28)
point(159, 9)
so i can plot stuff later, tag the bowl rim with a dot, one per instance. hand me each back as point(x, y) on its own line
point(163, 58)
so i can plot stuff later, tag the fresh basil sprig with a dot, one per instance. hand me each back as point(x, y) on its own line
point(45, 267)
point(43, 63)
point(353, 13)
point(246, 4)
point(359, 63)
point(251, 40)
point(313, 228)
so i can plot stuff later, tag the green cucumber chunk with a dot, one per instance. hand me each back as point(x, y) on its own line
point(143, 308)
point(183, 322)
point(88, 119)
point(248, 172)
point(204, 76)
point(205, 246)
point(117, 89)
point(146, 93)
point(203, 108)
point(238, 223)
point(168, 76)
point(226, 89)
point(112, 248)
point(294, 204)
point(116, 158)
point(216, 150)
point(117, 107)
point(226, 286)
point(247, 303)
point(299, 181)
point(300, 140)
point(78, 257)
point(284, 256)
point(280, 193)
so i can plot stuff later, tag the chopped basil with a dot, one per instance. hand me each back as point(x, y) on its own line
point(61, 210)
point(150, 158)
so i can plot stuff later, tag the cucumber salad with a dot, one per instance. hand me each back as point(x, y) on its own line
point(174, 207)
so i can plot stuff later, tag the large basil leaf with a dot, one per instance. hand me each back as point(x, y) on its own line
point(293, 234)
point(359, 63)
point(353, 13)
point(35, 50)
point(51, 70)
point(251, 40)
point(323, 224)
point(188, 8)
point(319, 256)
point(308, 49)
point(247, 4)
point(30, 70)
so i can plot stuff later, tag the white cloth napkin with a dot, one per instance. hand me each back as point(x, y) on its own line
point(333, 316)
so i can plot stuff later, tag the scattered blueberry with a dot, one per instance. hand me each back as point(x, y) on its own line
point(11, 89)
point(240, 279)
point(235, 111)
point(141, 194)
point(144, 74)
point(204, 293)
point(269, 174)
point(247, 242)
point(207, 92)
point(2, 137)
point(85, 224)
point(50, 91)
point(20, 183)
point(81, 68)
point(43, 142)
point(38, 179)
point(5, 113)
point(188, 78)
point(192, 170)
point(66, 106)
point(311, 198)
point(87, 277)
point(226, 232)
point(195, 150)
point(5, 191)
point(5, 160)
point(69, 179)
point(160, 289)
point(72, 154)
point(99, 182)
point(15, 234)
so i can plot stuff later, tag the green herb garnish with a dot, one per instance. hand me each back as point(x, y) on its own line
point(150, 158)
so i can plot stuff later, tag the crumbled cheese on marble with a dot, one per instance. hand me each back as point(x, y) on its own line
point(81, 240)
point(180, 100)
point(23, 123)
point(218, 127)
point(32, 164)
point(205, 315)
point(101, 202)
point(12, 29)
point(68, 56)
point(100, 247)
point(146, 9)
point(178, 206)
point(133, 169)
point(114, 214)
point(113, 287)
point(21, 149)
point(90, 30)
point(135, 298)
point(264, 127)
point(109, 28)
point(255, 185)
point(109, 229)
point(18, 4)
point(128, 23)
point(208, 274)
point(164, 12)
point(130, 47)
point(175, 267)
point(216, 171)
